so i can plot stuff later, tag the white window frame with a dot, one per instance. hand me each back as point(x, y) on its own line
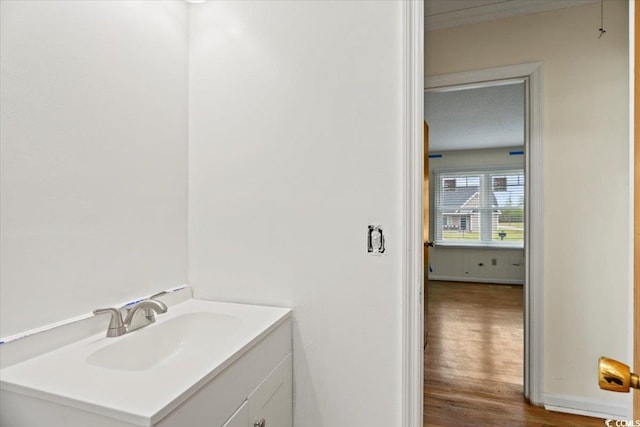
point(485, 239)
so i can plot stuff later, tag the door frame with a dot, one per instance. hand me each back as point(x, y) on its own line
point(413, 275)
point(531, 74)
point(412, 105)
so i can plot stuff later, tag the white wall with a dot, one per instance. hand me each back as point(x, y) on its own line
point(463, 264)
point(295, 124)
point(586, 276)
point(94, 155)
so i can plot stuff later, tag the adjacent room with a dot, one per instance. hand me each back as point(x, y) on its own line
point(476, 263)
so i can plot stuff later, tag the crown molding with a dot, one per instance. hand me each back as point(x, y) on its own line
point(493, 11)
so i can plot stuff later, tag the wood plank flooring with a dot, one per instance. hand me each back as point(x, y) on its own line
point(474, 360)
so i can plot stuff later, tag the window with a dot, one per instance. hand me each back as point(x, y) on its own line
point(479, 208)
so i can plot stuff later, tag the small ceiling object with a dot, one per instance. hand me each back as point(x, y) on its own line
point(476, 118)
point(441, 14)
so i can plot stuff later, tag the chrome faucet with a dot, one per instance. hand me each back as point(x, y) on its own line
point(138, 316)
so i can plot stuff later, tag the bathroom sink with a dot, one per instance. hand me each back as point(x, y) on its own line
point(187, 336)
point(143, 375)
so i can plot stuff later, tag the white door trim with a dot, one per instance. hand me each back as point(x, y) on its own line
point(532, 73)
point(412, 165)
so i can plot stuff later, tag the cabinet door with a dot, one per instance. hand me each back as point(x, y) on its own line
point(240, 418)
point(272, 401)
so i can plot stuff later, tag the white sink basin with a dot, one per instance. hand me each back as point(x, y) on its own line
point(174, 341)
point(166, 362)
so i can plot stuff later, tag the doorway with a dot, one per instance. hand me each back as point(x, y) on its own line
point(529, 75)
point(477, 265)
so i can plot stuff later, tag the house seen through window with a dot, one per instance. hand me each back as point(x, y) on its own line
point(479, 208)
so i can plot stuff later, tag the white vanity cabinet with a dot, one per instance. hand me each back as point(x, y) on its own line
point(230, 366)
point(256, 386)
point(272, 400)
point(270, 404)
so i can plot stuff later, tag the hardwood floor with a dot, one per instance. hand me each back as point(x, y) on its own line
point(474, 360)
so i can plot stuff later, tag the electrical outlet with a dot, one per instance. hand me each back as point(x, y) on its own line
point(494, 261)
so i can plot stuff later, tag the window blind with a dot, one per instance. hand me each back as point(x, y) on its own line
point(479, 208)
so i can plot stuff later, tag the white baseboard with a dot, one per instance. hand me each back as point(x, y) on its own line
point(475, 279)
point(587, 407)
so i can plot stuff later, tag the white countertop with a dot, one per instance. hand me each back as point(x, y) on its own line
point(139, 394)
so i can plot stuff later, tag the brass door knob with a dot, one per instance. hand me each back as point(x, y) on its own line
point(616, 376)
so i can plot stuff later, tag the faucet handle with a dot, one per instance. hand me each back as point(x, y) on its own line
point(116, 325)
point(159, 294)
point(154, 296)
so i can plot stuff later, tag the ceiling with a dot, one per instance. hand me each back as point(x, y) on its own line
point(485, 117)
point(450, 13)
